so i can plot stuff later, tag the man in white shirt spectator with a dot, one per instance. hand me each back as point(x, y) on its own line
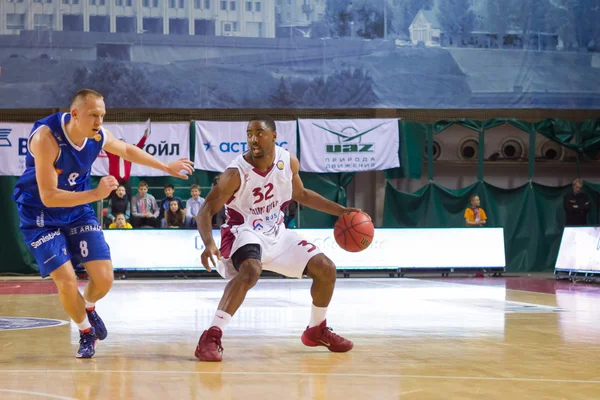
point(192, 206)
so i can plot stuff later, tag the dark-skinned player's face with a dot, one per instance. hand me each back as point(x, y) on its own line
point(261, 139)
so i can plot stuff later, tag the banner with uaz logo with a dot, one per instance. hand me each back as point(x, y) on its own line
point(344, 145)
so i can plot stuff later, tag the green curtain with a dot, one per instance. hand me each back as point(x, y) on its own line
point(332, 187)
point(478, 126)
point(14, 253)
point(532, 216)
point(413, 136)
point(582, 137)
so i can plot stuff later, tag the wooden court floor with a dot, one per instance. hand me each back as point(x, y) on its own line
point(486, 338)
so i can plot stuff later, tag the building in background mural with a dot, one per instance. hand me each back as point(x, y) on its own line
point(249, 18)
point(432, 54)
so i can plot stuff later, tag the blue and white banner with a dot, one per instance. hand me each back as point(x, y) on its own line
point(168, 142)
point(344, 145)
point(218, 143)
point(13, 147)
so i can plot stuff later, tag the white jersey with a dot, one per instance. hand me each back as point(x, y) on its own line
point(255, 216)
point(259, 203)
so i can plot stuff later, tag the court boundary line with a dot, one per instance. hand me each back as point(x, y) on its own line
point(273, 373)
point(41, 394)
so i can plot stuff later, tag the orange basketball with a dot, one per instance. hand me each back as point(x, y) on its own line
point(354, 231)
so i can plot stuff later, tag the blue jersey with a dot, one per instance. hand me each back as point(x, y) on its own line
point(73, 164)
point(58, 234)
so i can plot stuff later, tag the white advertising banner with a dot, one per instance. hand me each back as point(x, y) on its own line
point(218, 143)
point(13, 147)
point(390, 249)
point(168, 142)
point(579, 250)
point(344, 145)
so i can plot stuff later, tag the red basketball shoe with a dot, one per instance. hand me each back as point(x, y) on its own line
point(209, 346)
point(321, 335)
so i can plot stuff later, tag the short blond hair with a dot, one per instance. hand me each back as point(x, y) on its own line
point(83, 94)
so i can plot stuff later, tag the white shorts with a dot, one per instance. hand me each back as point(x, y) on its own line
point(288, 256)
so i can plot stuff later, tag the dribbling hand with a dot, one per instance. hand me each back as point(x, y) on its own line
point(210, 253)
point(349, 210)
point(106, 185)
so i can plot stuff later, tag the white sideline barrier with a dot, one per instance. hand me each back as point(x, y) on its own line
point(175, 249)
point(579, 250)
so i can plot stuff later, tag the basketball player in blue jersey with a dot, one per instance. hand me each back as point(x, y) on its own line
point(53, 198)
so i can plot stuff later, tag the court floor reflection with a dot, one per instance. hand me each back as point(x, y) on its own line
point(414, 338)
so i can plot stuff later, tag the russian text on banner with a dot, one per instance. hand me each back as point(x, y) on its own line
point(345, 145)
point(167, 142)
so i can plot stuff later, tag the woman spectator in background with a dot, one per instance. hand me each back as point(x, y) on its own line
point(174, 216)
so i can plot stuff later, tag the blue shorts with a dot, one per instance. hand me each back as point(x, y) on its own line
point(55, 236)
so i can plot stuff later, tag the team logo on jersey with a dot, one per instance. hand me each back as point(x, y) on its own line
point(45, 238)
point(97, 137)
point(39, 220)
point(256, 224)
point(16, 323)
point(280, 164)
point(4, 141)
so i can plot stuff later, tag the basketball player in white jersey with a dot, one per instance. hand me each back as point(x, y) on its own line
point(255, 190)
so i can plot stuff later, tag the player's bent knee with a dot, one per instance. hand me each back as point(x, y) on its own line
point(101, 273)
point(105, 281)
point(250, 271)
point(322, 268)
point(66, 285)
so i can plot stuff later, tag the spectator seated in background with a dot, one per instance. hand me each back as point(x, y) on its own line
point(144, 208)
point(290, 215)
point(192, 206)
point(120, 222)
point(474, 215)
point(164, 203)
point(118, 203)
point(577, 205)
point(174, 216)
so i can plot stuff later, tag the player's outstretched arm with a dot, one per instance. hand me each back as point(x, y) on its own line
point(45, 151)
point(136, 155)
point(228, 184)
point(312, 199)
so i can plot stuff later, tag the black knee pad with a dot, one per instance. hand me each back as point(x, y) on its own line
point(245, 252)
